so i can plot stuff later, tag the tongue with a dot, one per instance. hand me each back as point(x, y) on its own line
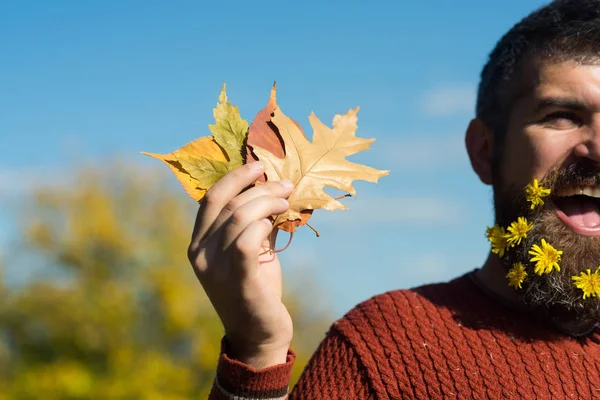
point(582, 211)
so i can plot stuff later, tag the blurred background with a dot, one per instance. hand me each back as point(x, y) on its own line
point(97, 300)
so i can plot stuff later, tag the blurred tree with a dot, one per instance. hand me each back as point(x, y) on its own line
point(115, 311)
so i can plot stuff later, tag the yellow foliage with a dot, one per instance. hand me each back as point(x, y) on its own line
point(114, 310)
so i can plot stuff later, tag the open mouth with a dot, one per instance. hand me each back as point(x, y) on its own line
point(578, 207)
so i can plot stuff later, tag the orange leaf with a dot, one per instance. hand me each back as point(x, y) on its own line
point(290, 226)
point(261, 133)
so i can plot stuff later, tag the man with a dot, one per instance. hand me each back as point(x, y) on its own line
point(523, 326)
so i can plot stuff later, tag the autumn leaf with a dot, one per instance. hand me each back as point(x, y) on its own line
point(262, 134)
point(201, 163)
point(206, 171)
point(287, 153)
point(204, 147)
point(229, 130)
point(312, 166)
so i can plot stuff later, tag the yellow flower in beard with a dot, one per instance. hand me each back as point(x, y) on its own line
point(497, 237)
point(546, 258)
point(534, 193)
point(516, 275)
point(518, 230)
point(588, 282)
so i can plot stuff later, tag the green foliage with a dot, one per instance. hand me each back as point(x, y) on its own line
point(115, 311)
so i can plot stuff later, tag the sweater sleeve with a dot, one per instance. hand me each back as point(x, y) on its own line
point(333, 372)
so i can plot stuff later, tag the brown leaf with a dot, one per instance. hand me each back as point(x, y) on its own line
point(313, 165)
point(261, 133)
point(290, 226)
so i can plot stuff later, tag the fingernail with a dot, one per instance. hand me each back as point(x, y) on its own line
point(284, 201)
point(286, 183)
point(267, 222)
point(255, 166)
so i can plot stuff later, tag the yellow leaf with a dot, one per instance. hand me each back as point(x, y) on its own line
point(229, 130)
point(205, 170)
point(199, 148)
point(201, 163)
point(313, 165)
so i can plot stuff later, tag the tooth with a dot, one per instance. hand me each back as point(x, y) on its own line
point(587, 191)
point(596, 192)
point(571, 191)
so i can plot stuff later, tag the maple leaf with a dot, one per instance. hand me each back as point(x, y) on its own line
point(229, 130)
point(262, 134)
point(201, 163)
point(203, 147)
point(313, 165)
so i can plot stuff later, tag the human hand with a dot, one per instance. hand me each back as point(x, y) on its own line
point(229, 254)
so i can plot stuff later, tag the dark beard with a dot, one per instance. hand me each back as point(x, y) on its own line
point(553, 295)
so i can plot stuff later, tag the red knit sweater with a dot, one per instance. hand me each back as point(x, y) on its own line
point(439, 341)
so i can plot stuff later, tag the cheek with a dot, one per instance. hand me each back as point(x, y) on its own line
point(520, 160)
point(529, 156)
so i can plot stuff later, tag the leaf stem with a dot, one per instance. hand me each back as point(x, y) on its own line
point(271, 251)
point(341, 197)
point(314, 230)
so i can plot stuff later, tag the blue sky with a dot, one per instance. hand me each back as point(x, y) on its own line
point(90, 81)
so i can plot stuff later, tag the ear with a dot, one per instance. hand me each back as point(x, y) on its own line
point(480, 142)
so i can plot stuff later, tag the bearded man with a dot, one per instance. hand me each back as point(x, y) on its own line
point(523, 326)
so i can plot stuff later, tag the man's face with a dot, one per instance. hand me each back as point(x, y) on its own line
point(553, 135)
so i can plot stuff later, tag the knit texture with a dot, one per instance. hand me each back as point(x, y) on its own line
point(440, 341)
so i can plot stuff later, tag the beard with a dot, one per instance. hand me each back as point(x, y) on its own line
point(553, 295)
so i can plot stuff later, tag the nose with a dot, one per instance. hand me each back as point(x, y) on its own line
point(589, 147)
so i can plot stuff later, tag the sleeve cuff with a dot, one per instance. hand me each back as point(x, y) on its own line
point(236, 380)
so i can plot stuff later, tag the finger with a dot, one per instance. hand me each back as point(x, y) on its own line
point(220, 194)
point(254, 210)
point(249, 244)
point(274, 189)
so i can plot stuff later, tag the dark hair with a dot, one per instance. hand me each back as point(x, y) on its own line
point(562, 30)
